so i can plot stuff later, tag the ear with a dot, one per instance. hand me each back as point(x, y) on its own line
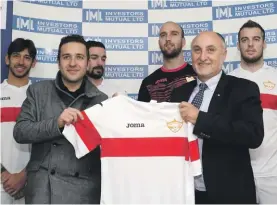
point(183, 42)
point(265, 45)
point(225, 54)
point(34, 63)
point(7, 60)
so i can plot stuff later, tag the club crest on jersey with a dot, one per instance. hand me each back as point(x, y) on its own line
point(174, 125)
point(132, 125)
point(269, 85)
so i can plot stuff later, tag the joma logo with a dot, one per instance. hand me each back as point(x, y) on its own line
point(129, 125)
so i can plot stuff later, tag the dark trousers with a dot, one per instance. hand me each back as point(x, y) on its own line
point(201, 197)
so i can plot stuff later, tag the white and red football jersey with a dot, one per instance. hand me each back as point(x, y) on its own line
point(148, 153)
point(14, 156)
point(264, 158)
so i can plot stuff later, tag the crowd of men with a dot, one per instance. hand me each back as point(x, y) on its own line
point(234, 117)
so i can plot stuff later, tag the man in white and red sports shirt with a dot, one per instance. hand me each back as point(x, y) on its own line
point(14, 157)
point(251, 43)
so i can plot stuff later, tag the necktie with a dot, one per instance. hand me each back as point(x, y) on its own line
point(197, 100)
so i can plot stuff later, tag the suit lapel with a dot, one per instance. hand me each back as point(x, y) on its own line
point(218, 96)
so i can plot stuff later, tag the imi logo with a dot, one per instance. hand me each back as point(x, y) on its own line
point(176, 4)
point(46, 26)
point(115, 16)
point(245, 10)
point(64, 3)
point(126, 71)
point(190, 28)
point(156, 57)
point(123, 43)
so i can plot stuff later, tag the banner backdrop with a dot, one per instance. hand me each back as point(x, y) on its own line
point(129, 29)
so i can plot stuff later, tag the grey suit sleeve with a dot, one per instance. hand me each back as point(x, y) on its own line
point(28, 129)
point(246, 129)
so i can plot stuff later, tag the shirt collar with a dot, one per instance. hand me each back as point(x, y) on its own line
point(211, 83)
point(264, 67)
point(5, 83)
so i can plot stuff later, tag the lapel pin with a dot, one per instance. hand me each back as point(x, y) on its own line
point(218, 95)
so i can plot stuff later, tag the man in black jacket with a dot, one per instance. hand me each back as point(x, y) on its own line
point(227, 116)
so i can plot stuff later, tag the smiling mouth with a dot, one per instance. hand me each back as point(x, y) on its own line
point(19, 69)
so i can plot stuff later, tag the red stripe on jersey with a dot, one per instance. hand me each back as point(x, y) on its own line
point(9, 114)
point(87, 132)
point(269, 101)
point(146, 147)
point(194, 150)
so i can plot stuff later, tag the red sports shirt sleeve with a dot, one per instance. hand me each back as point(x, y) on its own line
point(83, 135)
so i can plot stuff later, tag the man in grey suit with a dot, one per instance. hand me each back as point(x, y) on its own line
point(55, 175)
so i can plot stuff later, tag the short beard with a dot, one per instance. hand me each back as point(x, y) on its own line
point(91, 74)
point(252, 60)
point(176, 52)
point(20, 76)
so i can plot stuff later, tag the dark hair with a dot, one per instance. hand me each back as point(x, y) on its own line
point(91, 44)
point(71, 38)
point(21, 44)
point(252, 24)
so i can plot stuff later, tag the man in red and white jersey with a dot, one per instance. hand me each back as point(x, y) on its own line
point(14, 157)
point(148, 153)
point(251, 43)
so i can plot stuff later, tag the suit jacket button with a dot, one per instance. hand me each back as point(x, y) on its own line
point(76, 174)
point(52, 172)
point(54, 144)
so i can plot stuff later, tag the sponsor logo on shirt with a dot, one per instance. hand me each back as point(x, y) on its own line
point(174, 125)
point(188, 79)
point(269, 85)
point(134, 125)
point(5, 98)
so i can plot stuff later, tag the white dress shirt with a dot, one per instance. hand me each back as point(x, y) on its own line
point(208, 94)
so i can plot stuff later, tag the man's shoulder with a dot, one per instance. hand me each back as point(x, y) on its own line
point(154, 75)
point(240, 83)
point(42, 85)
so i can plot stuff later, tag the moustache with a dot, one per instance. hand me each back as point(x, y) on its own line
point(20, 66)
point(98, 67)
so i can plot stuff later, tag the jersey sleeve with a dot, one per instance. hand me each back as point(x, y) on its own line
point(85, 135)
point(194, 154)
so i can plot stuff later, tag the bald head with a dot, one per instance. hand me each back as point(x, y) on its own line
point(212, 34)
point(208, 54)
point(173, 24)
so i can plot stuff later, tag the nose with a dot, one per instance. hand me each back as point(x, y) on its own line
point(250, 43)
point(203, 56)
point(72, 62)
point(100, 62)
point(168, 37)
point(21, 61)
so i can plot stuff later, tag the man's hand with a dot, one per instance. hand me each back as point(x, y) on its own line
point(69, 116)
point(5, 176)
point(188, 112)
point(15, 182)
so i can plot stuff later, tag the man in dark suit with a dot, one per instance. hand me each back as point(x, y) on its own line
point(227, 116)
